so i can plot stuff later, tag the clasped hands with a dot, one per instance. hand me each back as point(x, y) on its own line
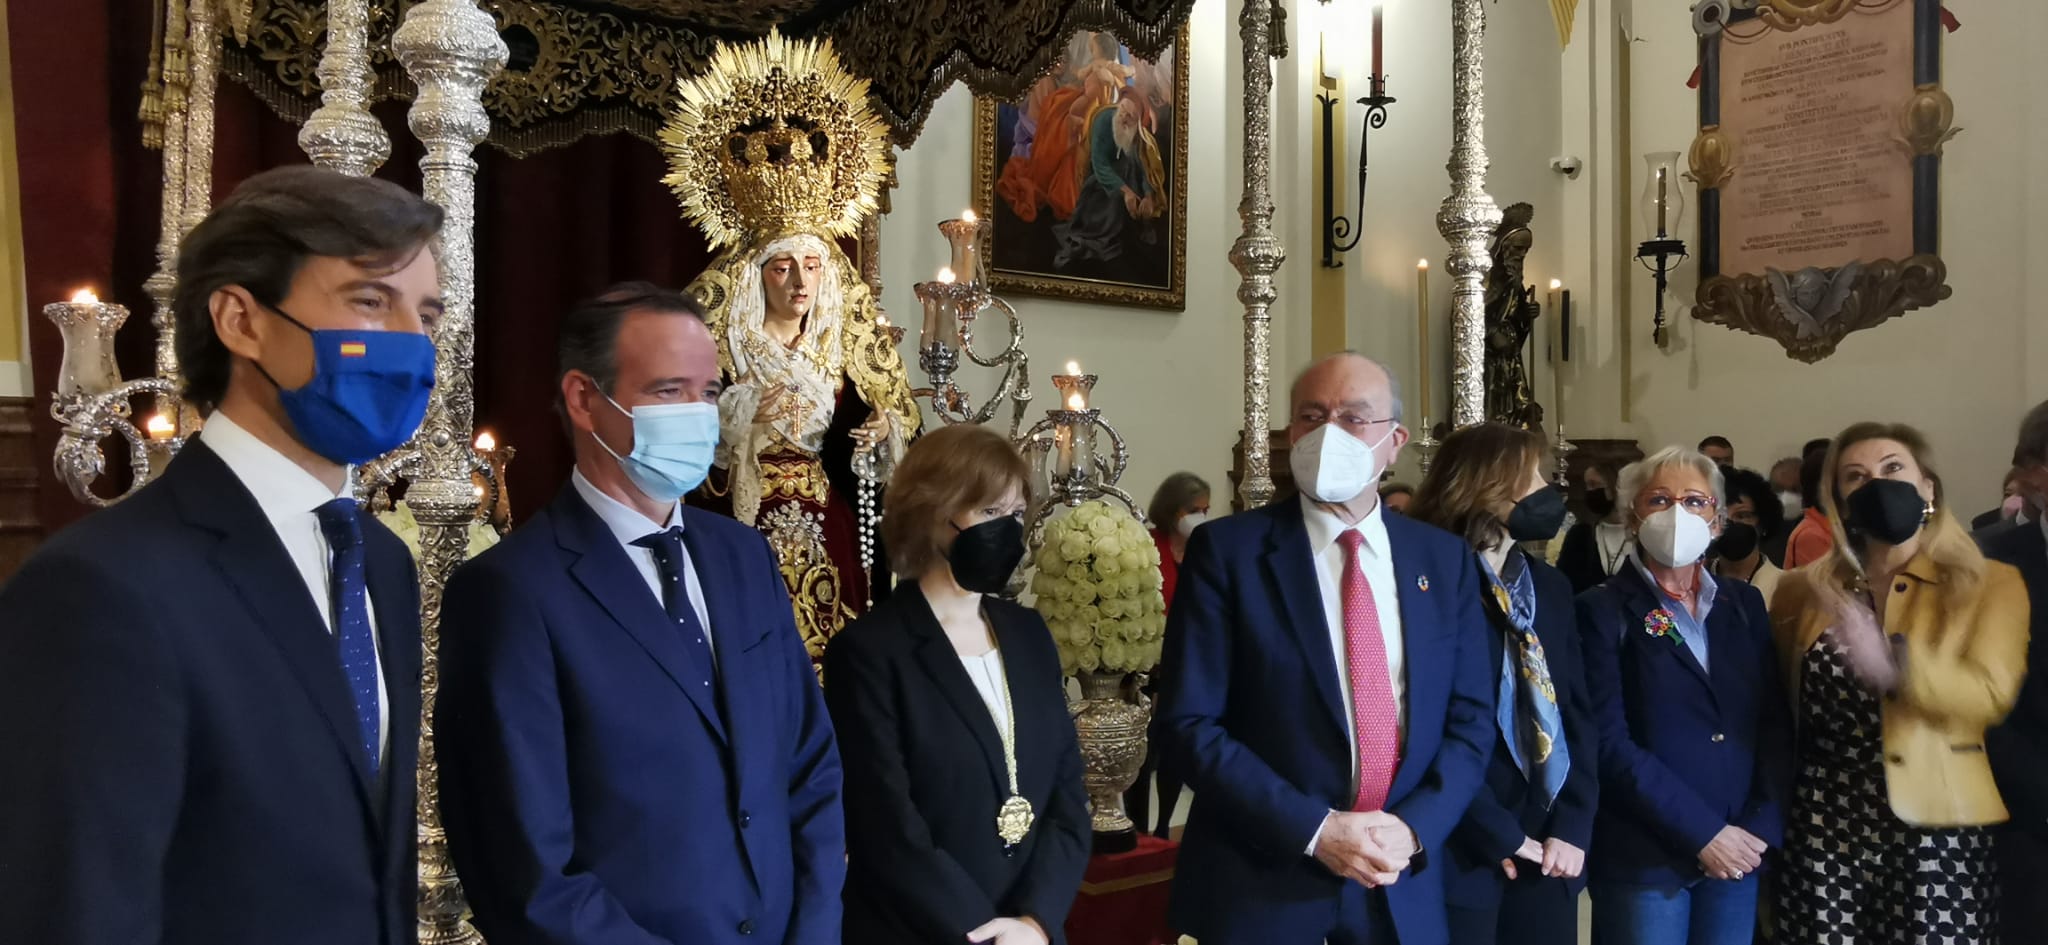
point(1372, 847)
point(1558, 859)
point(1733, 854)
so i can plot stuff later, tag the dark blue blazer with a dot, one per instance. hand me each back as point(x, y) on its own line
point(2019, 746)
point(593, 789)
point(1682, 753)
point(1252, 706)
point(183, 763)
point(1507, 810)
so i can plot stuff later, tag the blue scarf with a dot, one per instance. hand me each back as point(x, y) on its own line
point(1530, 723)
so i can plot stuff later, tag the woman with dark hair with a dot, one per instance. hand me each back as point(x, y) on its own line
point(1516, 860)
point(1900, 646)
point(1812, 537)
point(1754, 515)
point(1596, 545)
point(966, 820)
point(1180, 505)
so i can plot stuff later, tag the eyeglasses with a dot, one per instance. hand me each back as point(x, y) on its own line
point(1349, 421)
point(1694, 502)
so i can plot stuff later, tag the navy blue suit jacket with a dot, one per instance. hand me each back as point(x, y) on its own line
point(1253, 710)
point(1508, 809)
point(2019, 746)
point(593, 793)
point(1682, 753)
point(183, 763)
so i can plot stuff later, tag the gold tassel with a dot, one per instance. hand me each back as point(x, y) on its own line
point(1564, 11)
point(152, 110)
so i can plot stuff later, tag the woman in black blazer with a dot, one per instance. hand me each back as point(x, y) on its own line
point(1597, 545)
point(1516, 861)
point(966, 819)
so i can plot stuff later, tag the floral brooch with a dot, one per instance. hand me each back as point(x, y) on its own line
point(1661, 623)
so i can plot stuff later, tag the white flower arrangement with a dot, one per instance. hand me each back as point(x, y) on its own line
point(400, 520)
point(1098, 587)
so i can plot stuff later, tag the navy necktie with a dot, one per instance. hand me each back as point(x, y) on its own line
point(344, 530)
point(667, 546)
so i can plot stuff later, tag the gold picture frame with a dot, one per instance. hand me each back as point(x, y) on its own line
point(1042, 251)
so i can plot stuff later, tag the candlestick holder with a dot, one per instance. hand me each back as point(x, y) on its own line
point(952, 308)
point(495, 505)
point(1564, 451)
point(93, 403)
point(1062, 450)
point(1427, 446)
point(1341, 234)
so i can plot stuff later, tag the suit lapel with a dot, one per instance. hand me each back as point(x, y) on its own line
point(1643, 599)
point(613, 580)
point(1421, 659)
point(1291, 569)
point(941, 663)
point(253, 560)
point(731, 629)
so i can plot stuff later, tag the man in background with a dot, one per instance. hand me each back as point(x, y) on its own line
point(2018, 748)
point(1718, 449)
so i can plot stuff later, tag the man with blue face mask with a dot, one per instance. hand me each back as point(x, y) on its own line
point(1329, 693)
point(209, 693)
point(633, 746)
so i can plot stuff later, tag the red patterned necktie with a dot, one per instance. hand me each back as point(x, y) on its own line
point(1374, 716)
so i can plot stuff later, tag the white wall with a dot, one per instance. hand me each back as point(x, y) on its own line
point(1172, 382)
point(1959, 370)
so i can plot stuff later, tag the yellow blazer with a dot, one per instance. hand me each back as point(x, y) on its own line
point(1961, 672)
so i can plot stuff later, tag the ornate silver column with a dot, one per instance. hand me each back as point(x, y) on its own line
point(451, 49)
point(1468, 215)
point(1257, 254)
point(341, 133)
point(205, 19)
point(161, 286)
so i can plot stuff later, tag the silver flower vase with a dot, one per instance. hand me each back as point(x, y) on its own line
point(1111, 728)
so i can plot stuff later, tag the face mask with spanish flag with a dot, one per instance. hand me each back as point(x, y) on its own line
point(368, 392)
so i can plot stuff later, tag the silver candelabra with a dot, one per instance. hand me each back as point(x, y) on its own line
point(953, 302)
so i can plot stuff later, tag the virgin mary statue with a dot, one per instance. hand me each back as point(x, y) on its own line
point(774, 153)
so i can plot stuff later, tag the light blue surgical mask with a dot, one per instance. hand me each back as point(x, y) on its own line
point(672, 447)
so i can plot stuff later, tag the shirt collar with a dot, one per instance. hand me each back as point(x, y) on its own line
point(626, 523)
point(1324, 527)
point(282, 488)
point(1705, 593)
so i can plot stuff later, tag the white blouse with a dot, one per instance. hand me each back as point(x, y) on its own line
point(987, 672)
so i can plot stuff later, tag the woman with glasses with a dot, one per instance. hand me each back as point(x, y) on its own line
point(1516, 859)
point(1900, 646)
point(1694, 734)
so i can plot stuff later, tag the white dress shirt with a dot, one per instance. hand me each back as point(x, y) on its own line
point(288, 496)
point(987, 672)
point(628, 525)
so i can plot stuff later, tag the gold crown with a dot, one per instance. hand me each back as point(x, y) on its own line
point(775, 137)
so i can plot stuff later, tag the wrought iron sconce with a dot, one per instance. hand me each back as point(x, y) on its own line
point(1341, 234)
point(1663, 209)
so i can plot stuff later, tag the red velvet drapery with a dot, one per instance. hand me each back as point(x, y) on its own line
point(550, 228)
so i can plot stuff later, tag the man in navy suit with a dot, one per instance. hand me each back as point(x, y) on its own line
point(2019, 747)
point(1328, 694)
point(209, 693)
point(634, 749)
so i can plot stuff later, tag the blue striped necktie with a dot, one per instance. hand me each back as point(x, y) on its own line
point(340, 522)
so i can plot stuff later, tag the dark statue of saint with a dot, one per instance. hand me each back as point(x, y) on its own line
point(1511, 311)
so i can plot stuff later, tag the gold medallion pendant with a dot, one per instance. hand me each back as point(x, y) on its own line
point(1014, 820)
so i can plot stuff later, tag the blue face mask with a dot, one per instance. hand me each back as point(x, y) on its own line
point(672, 447)
point(368, 392)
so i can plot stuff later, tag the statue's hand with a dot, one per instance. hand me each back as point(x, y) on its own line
point(874, 432)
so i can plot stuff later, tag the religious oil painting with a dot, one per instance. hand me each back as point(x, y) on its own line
point(1084, 180)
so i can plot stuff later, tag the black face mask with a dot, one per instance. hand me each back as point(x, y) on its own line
point(1538, 516)
point(1886, 510)
point(1599, 502)
point(1738, 541)
point(986, 555)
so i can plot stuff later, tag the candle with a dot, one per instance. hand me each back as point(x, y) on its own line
point(1564, 327)
point(1378, 74)
point(1077, 401)
point(1063, 442)
point(1073, 369)
point(934, 315)
point(1422, 335)
point(1556, 344)
point(84, 297)
point(1663, 205)
point(967, 215)
point(946, 274)
point(160, 427)
point(485, 442)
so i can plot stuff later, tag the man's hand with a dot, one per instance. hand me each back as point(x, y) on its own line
point(1393, 836)
point(1561, 859)
point(1348, 848)
point(1024, 931)
point(1733, 854)
point(1529, 850)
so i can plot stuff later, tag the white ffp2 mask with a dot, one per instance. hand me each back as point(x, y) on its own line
point(1674, 537)
point(1334, 467)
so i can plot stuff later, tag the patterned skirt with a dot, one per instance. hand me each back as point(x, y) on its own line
point(1853, 873)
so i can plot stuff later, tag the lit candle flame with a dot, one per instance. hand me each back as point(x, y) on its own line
point(479, 490)
point(1074, 368)
point(485, 442)
point(1556, 284)
point(1075, 402)
point(84, 297)
point(946, 275)
point(967, 215)
point(160, 427)
point(1422, 264)
point(882, 320)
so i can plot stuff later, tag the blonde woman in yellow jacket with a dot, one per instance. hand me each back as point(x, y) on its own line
point(1901, 646)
